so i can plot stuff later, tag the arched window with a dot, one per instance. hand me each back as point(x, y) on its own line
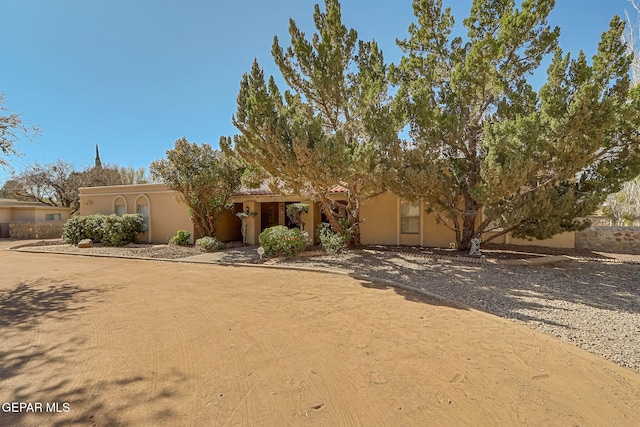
point(119, 205)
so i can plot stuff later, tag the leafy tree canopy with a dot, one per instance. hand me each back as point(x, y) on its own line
point(205, 178)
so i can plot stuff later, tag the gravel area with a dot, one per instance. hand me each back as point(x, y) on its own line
point(592, 304)
point(132, 250)
point(592, 301)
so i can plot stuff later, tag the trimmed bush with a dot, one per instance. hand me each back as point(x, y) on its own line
point(209, 244)
point(111, 230)
point(83, 227)
point(331, 241)
point(121, 230)
point(280, 240)
point(181, 239)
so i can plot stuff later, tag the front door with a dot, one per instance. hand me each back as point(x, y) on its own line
point(269, 215)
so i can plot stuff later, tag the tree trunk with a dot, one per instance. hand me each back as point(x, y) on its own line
point(353, 215)
point(468, 224)
point(326, 206)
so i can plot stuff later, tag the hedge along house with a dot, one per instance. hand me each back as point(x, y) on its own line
point(31, 220)
point(385, 219)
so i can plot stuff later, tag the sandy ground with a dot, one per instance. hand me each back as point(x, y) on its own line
point(140, 343)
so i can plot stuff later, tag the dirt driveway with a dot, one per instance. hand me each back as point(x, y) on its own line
point(111, 342)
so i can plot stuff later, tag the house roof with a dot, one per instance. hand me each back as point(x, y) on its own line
point(13, 203)
point(264, 190)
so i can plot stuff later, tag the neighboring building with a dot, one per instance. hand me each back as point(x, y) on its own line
point(31, 220)
point(385, 219)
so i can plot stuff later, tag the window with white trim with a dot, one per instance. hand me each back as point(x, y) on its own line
point(53, 217)
point(409, 217)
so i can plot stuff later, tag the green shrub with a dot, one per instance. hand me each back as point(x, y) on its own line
point(83, 227)
point(331, 241)
point(181, 239)
point(280, 240)
point(209, 244)
point(111, 230)
point(121, 230)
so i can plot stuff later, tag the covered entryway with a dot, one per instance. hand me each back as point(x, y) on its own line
point(4, 230)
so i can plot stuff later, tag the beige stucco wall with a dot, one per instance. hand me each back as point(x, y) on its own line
point(379, 220)
point(380, 225)
point(41, 214)
point(435, 234)
point(24, 215)
point(563, 240)
point(30, 214)
point(6, 214)
point(167, 214)
point(228, 227)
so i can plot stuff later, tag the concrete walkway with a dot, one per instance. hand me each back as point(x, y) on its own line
point(241, 254)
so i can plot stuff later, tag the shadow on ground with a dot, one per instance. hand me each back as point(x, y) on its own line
point(34, 368)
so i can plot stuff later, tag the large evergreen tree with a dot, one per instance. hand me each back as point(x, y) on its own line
point(328, 127)
point(483, 140)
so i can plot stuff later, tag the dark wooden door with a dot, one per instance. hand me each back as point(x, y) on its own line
point(268, 215)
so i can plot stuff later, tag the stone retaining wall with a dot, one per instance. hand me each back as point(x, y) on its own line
point(31, 230)
point(623, 240)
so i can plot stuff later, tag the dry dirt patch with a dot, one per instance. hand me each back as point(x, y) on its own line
point(128, 342)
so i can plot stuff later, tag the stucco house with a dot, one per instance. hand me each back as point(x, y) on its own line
point(385, 219)
point(31, 220)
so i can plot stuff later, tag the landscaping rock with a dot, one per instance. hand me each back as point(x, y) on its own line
point(85, 243)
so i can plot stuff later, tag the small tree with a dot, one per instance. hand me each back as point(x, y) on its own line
point(295, 211)
point(205, 178)
point(244, 219)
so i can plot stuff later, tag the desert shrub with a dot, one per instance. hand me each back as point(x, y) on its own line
point(181, 238)
point(111, 230)
point(83, 227)
point(121, 230)
point(280, 240)
point(331, 241)
point(209, 244)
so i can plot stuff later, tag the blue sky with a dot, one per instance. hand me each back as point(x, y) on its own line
point(135, 75)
